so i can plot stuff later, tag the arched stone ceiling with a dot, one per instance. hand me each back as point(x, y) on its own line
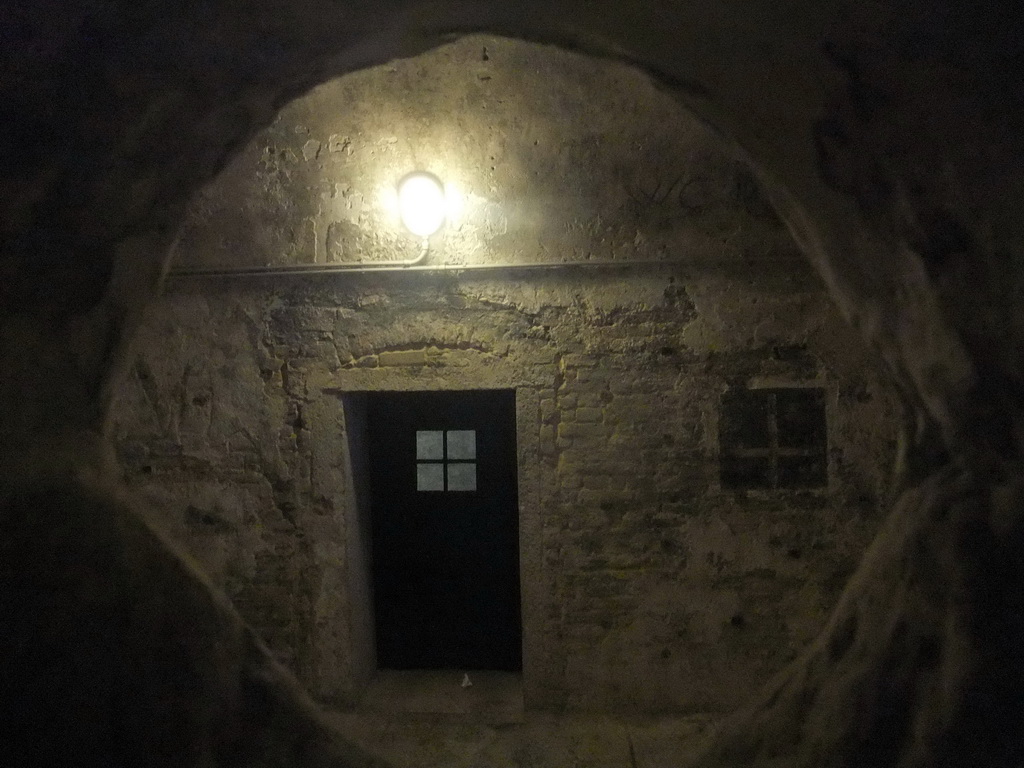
point(547, 156)
point(889, 136)
point(822, 98)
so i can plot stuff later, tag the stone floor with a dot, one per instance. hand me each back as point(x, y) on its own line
point(433, 719)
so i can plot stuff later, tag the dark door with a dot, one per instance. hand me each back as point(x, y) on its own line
point(444, 514)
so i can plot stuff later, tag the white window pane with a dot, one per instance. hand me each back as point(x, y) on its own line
point(430, 477)
point(462, 477)
point(429, 445)
point(462, 444)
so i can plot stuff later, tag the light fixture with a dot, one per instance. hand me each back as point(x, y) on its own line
point(421, 202)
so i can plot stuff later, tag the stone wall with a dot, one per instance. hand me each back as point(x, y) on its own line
point(115, 120)
point(646, 584)
point(609, 259)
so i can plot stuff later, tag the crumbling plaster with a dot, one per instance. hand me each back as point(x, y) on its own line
point(648, 587)
point(889, 137)
point(242, 451)
point(547, 156)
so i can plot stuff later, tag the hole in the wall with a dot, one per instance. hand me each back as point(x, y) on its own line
point(308, 335)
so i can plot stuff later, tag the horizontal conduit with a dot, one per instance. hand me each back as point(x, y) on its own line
point(363, 268)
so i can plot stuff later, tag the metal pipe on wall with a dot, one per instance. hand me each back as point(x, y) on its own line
point(364, 268)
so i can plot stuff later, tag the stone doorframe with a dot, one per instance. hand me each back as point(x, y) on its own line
point(343, 641)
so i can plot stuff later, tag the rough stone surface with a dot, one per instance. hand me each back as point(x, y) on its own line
point(108, 621)
point(541, 740)
point(545, 155)
point(942, 621)
point(647, 585)
point(888, 135)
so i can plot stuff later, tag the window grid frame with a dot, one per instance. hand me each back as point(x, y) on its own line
point(774, 451)
point(444, 462)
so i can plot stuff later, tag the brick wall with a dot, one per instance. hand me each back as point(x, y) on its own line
point(646, 585)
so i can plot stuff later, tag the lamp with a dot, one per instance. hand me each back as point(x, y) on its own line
point(422, 204)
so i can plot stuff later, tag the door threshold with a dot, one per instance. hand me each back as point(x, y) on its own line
point(490, 696)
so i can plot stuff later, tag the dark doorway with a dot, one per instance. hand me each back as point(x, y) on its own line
point(444, 516)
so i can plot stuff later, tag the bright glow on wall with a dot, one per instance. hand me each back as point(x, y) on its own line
point(421, 202)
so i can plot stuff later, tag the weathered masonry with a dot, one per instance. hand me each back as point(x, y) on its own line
point(700, 447)
point(889, 139)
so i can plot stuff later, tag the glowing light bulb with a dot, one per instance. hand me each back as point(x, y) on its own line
point(421, 201)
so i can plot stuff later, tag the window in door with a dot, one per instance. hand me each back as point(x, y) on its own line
point(446, 460)
point(444, 516)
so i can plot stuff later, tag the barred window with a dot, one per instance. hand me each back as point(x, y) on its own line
point(773, 438)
